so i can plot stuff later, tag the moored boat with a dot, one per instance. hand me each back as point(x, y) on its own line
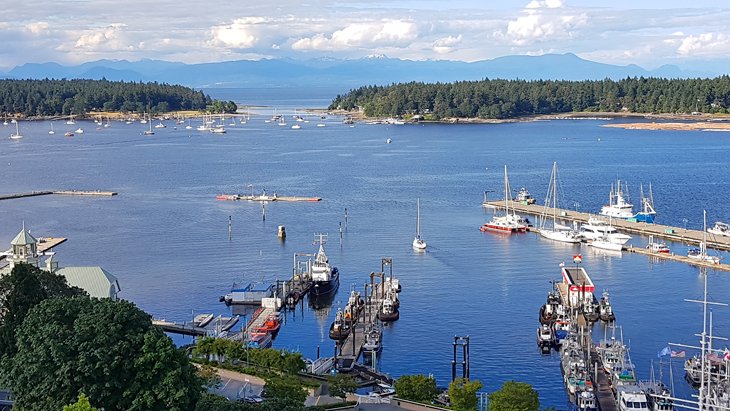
point(339, 329)
point(597, 228)
point(388, 311)
point(556, 231)
point(524, 197)
point(605, 310)
point(545, 336)
point(418, 243)
point(507, 223)
point(700, 254)
point(272, 324)
point(325, 278)
point(720, 228)
point(660, 247)
point(373, 339)
point(605, 244)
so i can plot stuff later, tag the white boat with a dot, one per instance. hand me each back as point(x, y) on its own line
point(557, 232)
point(700, 254)
point(606, 244)
point(596, 228)
point(586, 400)
point(148, 132)
point(218, 130)
point(507, 223)
point(51, 130)
point(618, 206)
point(418, 243)
point(631, 398)
point(296, 127)
point(720, 228)
point(660, 247)
point(160, 125)
point(523, 196)
point(17, 135)
point(320, 124)
point(71, 121)
point(388, 141)
point(79, 131)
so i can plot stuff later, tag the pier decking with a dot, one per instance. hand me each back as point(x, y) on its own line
point(59, 192)
point(666, 232)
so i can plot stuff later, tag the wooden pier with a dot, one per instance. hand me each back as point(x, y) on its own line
point(666, 232)
point(59, 192)
point(678, 258)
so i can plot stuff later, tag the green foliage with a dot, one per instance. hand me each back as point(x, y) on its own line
point(108, 349)
point(223, 107)
point(463, 394)
point(211, 402)
point(23, 289)
point(341, 385)
point(81, 405)
point(285, 388)
point(228, 351)
point(416, 388)
point(65, 97)
point(514, 98)
point(514, 396)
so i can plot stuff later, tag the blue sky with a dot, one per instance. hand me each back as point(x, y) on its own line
point(648, 33)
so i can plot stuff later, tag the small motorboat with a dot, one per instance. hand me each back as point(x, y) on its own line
point(605, 311)
point(272, 324)
point(545, 336)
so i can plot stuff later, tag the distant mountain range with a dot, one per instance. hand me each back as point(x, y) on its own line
point(377, 70)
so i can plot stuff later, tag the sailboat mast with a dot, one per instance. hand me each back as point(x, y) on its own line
point(506, 194)
point(418, 217)
point(555, 192)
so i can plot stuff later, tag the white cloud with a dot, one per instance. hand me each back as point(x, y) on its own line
point(37, 27)
point(373, 34)
point(108, 38)
point(242, 33)
point(541, 21)
point(446, 44)
point(705, 44)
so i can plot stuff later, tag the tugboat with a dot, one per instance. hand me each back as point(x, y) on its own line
point(549, 310)
point(605, 311)
point(591, 311)
point(325, 278)
point(339, 329)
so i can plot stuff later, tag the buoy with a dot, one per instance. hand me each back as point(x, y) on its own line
point(282, 232)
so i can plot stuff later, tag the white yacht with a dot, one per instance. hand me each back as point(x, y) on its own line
point(508, 223)
point(597, 228)
point(618, 206)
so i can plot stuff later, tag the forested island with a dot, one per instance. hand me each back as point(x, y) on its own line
point(65, 97)
point(505, 99)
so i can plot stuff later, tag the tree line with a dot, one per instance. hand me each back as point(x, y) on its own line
point(501, 99)
point(65, 97)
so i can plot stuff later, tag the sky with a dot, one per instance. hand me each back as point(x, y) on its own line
point(648, 33)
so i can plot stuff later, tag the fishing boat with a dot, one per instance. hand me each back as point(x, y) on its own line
point(605, 310)
point(700, 254)
point(720, 228)
point(388, 311)
point(373, 339)
point(631, 398)
point(17, 135)
point(545, 336)
point(507, 223)
point(660, 247)
point(619, 206)
point(524, 197)
point(597, 228)
point(325, 278)
point(339, 329)
point(418, 243)
point(557, 232)
point(586, 400)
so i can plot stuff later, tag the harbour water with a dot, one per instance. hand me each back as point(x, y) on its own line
point(165, 236)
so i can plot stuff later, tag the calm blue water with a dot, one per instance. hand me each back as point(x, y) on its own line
point(166, 237)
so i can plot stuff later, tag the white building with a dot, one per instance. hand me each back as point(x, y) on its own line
point(96, 281)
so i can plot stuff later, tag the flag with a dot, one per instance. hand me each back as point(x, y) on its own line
point(678, 354)
point(665, 351)
point(577, 258)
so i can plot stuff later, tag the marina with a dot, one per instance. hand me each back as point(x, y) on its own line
point(665, 232)
point(170, 249)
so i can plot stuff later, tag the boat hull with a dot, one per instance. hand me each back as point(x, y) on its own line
point(323, 289)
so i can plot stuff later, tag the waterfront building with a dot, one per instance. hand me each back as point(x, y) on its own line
point(94, 280)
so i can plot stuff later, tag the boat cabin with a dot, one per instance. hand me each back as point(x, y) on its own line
point(579, 286)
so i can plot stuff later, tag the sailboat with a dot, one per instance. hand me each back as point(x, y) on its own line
point(418, 243)
point(149, 132)
point(508, 222)
point(17, 135)
point(51, 130)
point(700, 254)
point(557, 232)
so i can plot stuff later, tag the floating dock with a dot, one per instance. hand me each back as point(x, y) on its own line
point(666, 232)
point(351, 347)
point(266, 198)
point(59, 192)
point(678, 258)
